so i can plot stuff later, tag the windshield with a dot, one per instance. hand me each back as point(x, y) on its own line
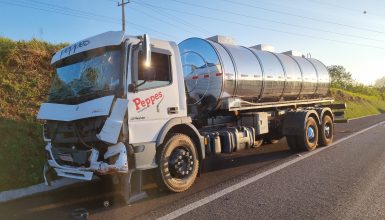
point(90, 77)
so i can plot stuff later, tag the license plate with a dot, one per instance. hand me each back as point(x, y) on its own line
point(66, 157)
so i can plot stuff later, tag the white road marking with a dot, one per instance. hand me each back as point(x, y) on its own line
point(210, 198)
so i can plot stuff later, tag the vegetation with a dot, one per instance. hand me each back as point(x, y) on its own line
point(25, 75)
point(21, 154)
point(361, 100)
point(359, 104)
point(380, 83)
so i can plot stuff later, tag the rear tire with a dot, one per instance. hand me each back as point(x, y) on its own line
point(292, 142)
point(309, 139)
point(327, 131)
point(178, 163)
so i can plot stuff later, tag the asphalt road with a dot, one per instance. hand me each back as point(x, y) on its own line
point(345, 181)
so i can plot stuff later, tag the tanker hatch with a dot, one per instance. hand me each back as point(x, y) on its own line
point(222, 39)
point(294, 53)
point(264, 47)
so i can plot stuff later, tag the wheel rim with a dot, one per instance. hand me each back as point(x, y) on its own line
point(310, 134)
point(328, 130)
point(181, 163)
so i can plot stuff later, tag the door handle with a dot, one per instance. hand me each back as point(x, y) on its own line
point(172, 110)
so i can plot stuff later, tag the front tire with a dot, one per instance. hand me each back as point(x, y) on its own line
point(292, 142)
point(178, 164)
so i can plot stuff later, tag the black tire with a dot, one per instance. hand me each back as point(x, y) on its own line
point(271, 140)
point(292, 143)
point(258, 143)
point(326, 131)
point(174, 159)
point(309, 139)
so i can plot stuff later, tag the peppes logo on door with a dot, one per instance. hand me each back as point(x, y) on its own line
point(141, 104)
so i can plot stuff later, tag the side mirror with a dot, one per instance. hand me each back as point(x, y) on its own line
point(132, 87)
point(146, 47)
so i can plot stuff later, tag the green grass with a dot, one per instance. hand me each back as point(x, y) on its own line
point(25, 74)
point(358, 104)
point(21, 154)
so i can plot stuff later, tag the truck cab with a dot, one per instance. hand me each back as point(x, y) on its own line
point(110, 105)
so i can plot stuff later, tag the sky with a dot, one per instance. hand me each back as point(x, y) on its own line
point(350, 33)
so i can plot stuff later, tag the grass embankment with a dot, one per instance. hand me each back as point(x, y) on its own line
point(25, 74)
point(359, 104)
point(21, 154)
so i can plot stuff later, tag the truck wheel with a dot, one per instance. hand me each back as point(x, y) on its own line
point(258, 143)
point(271, 140)
point(309, 140)
point(178, 164)
point(292, 142)
point(327, 131)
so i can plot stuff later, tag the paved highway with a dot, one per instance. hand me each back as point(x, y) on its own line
point(344, 181)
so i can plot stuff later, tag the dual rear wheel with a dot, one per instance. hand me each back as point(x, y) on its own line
point(312, 135)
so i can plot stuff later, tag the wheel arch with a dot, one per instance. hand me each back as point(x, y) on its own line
point(325, 111)
point(183, 125)
point(314, 114)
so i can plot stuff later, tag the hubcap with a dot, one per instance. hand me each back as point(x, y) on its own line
point(181, 163)
point(327, 130)
point(310, 133)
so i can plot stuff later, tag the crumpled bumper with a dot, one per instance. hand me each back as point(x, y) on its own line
point(120, 165)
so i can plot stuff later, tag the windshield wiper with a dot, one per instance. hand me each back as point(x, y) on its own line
point(91, 93)
point(84, 90)
point(61, 98)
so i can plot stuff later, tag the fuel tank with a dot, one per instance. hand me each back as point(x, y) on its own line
point(215, 70)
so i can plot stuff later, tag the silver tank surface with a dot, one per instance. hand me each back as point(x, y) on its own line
point(216, 71)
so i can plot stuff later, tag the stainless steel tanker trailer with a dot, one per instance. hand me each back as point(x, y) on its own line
point(121, 105)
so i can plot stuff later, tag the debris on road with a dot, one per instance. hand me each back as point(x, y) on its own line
point(80, 214)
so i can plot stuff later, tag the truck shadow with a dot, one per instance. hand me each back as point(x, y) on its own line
point(101, 198)
point(245, 157)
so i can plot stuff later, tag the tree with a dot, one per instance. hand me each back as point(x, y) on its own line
point(340, 78)
point(380, 83)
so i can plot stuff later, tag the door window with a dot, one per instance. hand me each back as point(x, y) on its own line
point(157, 75)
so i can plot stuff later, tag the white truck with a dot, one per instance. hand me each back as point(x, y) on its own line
point(123, 104)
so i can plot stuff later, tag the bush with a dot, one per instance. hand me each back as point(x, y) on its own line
point(25, 75)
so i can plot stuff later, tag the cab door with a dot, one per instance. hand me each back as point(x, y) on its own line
point(155, 99)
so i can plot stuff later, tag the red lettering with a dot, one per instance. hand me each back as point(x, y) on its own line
point(137, 103)
point(147, 102)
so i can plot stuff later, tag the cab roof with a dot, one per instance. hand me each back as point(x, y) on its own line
point(110, 38)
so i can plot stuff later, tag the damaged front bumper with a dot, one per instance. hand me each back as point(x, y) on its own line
point(117, 152)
